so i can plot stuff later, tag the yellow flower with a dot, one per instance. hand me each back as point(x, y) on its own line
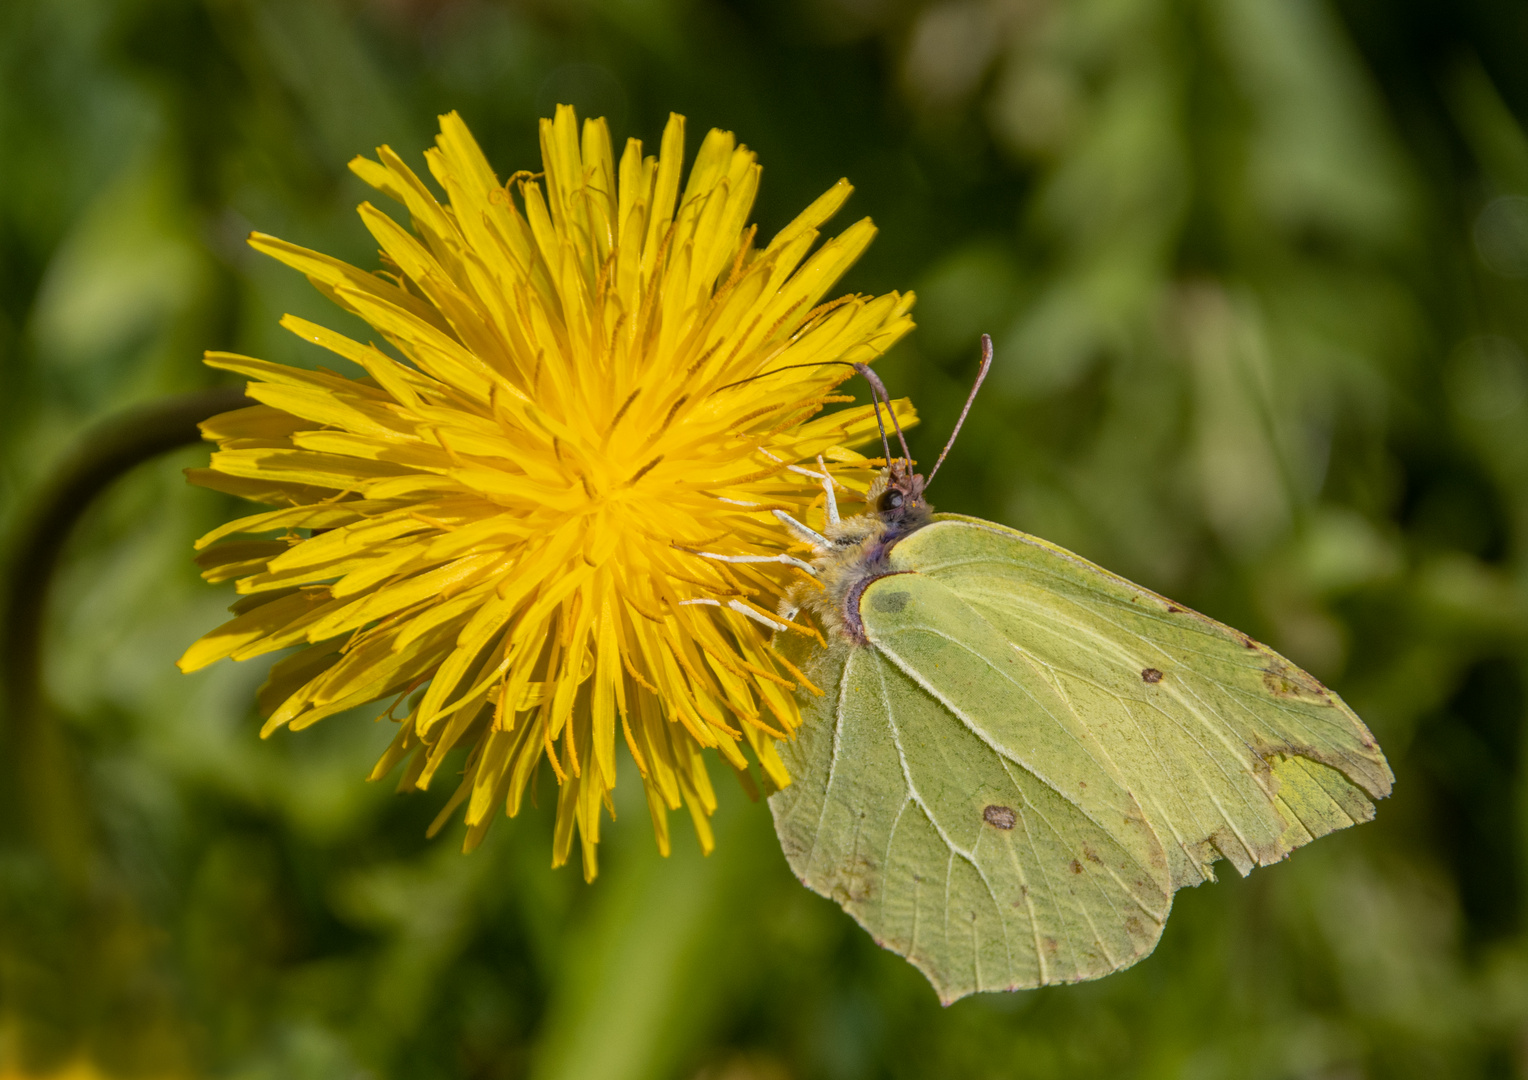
point(546, 520)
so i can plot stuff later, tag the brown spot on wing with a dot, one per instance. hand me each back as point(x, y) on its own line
point(1269, 754)
point(1151, 675)
point(1000, 817)
point(1284, 680)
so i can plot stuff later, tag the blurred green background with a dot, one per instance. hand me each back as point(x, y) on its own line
point(1257, 271)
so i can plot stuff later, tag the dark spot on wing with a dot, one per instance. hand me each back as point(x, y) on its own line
point(1076, 867)
point(1289, 682)
point(1151, 674)
point(1173, 609)
point(889, 601)
point(1000, 817)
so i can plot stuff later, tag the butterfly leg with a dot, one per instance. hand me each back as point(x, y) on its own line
point(787, 560)
point(831, 506)
point(811, 536)
point(741, 609)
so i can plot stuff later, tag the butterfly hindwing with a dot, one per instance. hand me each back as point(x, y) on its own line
point(945, 797)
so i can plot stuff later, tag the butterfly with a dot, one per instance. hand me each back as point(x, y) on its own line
point(1018, 757)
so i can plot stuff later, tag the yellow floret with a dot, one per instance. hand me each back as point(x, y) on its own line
point(507, 526)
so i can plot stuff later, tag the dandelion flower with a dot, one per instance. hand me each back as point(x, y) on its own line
point(544, 515)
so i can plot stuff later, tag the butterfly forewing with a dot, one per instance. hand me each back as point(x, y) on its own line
point(1231, 750)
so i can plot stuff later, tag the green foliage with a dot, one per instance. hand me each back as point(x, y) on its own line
point(1256, 274)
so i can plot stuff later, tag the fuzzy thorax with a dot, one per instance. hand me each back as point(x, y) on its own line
point(859, 550)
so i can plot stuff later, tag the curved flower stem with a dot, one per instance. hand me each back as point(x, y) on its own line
point(39, 781)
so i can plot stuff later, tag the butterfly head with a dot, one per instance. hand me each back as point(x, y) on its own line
point(897, 498)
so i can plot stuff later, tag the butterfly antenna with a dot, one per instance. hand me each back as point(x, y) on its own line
point(981, 374)
point(878, 389)
point(875, 403)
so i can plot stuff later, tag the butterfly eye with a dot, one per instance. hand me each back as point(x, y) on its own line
point(892, 500)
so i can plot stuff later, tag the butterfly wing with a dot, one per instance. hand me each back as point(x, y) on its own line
point(1007, 784)
point(1230, 749)
point(946, 796)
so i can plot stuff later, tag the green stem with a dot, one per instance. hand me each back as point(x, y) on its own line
point(49, 813)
